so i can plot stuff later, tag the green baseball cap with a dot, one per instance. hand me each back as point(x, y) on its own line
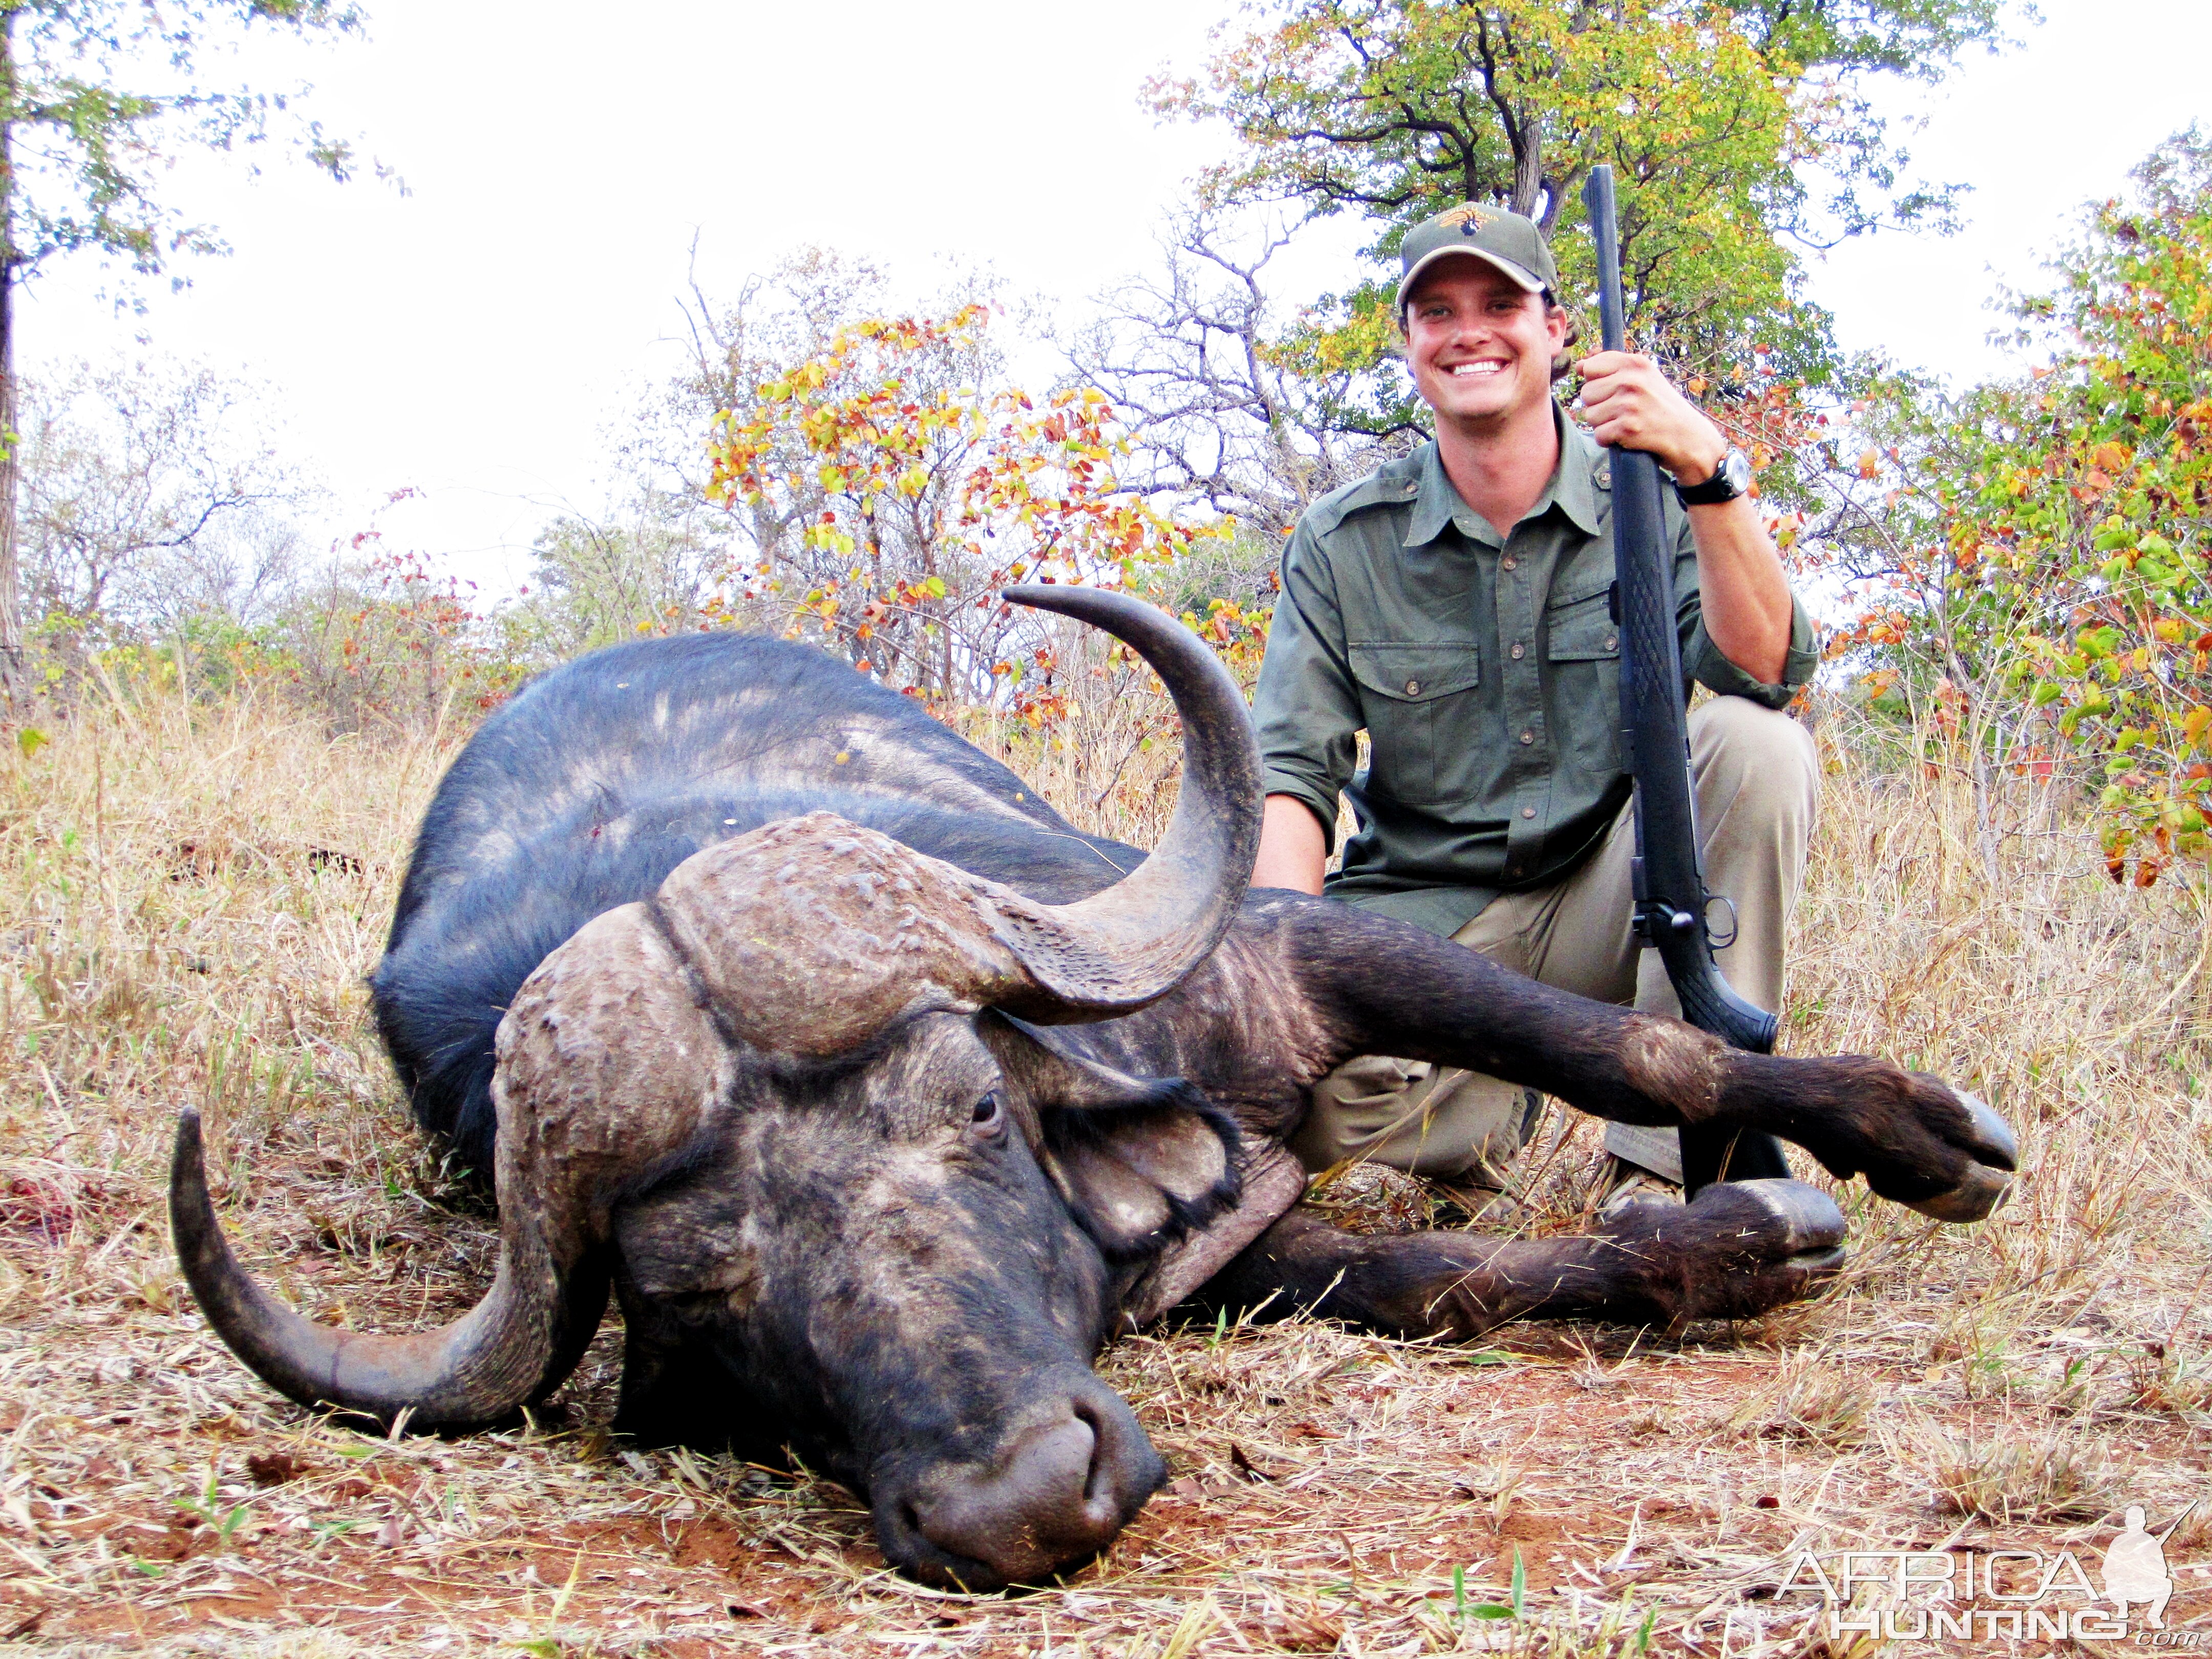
point(1508, 241)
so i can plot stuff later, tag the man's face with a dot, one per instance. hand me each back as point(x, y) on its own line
point(1480, 344)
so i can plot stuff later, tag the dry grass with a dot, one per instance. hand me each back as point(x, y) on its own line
point(188, 909)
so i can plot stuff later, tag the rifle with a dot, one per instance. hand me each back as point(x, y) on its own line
point(1671, 900)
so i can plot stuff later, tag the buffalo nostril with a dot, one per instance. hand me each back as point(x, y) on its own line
point(1097, 1478)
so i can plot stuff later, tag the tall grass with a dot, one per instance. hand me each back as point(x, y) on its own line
point(192, 893)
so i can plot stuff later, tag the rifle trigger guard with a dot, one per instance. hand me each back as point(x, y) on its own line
point(1713, 938)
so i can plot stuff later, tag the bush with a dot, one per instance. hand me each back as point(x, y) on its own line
point(2036, 568)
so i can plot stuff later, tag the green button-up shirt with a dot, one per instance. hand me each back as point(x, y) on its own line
point(1487, 678)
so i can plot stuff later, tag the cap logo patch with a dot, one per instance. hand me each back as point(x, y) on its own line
point(1469, 218)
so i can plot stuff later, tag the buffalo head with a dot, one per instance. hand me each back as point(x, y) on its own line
point(797, 1110)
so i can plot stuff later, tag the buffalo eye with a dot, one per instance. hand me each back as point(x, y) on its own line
point(988, 1117)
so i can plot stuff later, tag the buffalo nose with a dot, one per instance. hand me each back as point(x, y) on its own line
point(1057, 1489)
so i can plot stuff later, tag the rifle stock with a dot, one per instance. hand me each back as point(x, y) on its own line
point(1671, 900)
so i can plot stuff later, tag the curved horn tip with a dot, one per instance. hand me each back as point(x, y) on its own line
point(1035, 595)
point(1067, 596)
point(188, 1193)
point(1173, 910)
point(469, 1374)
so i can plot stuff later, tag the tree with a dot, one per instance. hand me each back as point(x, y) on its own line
point(1219, 409)
point(95, 97)
point(652, 561)
point(2037, 565)
point(149, 497)
point(1716, 114)
point(376, 639)
point(893, 480)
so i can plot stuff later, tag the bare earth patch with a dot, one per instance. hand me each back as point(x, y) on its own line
point(188, 911)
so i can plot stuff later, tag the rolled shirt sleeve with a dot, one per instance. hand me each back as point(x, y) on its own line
point(1702, 661)
point(1306, 708)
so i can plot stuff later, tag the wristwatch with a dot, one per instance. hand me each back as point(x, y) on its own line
point(1730, 479)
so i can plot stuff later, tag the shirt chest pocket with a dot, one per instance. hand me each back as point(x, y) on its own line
point(1582, 654)
point(1580, 628)
point(1417, 701)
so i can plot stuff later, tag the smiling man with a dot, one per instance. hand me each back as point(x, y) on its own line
point(1453, 606)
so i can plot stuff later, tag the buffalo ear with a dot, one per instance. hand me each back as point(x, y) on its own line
point(1140, 1161)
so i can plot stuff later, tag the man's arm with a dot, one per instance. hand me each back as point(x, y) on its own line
point(1307, 713)
point(1745, 596)
point(1293, 851)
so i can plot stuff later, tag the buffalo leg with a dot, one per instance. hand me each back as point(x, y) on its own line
point(1734, 1252)
point(1385, 987)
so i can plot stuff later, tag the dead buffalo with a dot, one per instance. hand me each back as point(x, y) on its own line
point(881, 1096)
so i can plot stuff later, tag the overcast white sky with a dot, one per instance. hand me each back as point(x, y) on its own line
point(473, 338)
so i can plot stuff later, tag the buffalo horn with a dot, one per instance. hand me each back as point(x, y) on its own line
point(472, 1372)
point(1135, 941)
point(606, 1068)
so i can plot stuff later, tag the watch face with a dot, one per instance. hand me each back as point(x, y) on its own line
point(1730, 479)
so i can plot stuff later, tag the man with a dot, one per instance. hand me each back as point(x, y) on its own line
point(1453, 606)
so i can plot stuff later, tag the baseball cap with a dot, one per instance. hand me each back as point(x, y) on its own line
point(1508, 241)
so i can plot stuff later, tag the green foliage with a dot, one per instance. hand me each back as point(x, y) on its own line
point(211, 655)
point(2041, 544)
point(208, 1507)
point(1715, 117)
point(381, 642)
point(651, 566)
point(96, 96)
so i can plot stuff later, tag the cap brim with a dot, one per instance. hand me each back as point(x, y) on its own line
point(1521, 274)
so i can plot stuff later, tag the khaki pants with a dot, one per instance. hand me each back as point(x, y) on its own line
point(1757, 786)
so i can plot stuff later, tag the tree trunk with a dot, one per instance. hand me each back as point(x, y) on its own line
point(15, 680)
point(15, 668)
point(1527, 131)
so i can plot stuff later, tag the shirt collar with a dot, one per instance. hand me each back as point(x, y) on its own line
point(1571, 488)
point(1583, 467)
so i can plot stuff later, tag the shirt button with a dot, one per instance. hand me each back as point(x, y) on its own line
point(1611, 643)
point(1527, 737)
point(1516, 651)
point(1413, 688)
point(1508, 562)
point(1527, 812)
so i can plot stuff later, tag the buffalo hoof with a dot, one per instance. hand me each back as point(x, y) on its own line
point(1986, 1181)
point(1918, 1141)
point(1736, 1250)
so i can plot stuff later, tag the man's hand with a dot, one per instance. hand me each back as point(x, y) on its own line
point(1745, 596)
point(1632, 406)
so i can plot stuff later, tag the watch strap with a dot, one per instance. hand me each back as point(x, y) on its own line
point(1730, 479)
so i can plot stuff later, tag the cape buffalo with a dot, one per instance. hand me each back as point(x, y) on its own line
point(880, 1095)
